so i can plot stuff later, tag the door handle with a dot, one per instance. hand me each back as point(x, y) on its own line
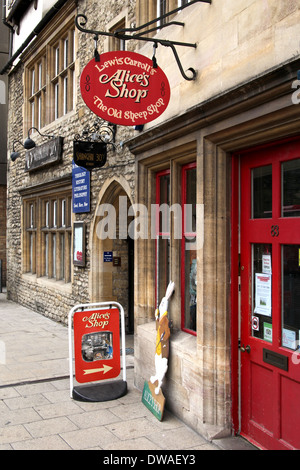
point(245, 349)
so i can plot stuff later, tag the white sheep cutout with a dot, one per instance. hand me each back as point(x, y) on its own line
point(162, 339)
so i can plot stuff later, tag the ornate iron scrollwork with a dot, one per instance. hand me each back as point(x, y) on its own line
point(100, 131)
point(90, 148)
point(139, 32)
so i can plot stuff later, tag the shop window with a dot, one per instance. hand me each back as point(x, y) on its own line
point(188, 251)
point(47, 236)
point(50, 80)
point(187, 230)
point(162, 234)
point(30, 216)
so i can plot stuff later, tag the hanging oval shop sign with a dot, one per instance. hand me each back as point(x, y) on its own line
point(124, 88)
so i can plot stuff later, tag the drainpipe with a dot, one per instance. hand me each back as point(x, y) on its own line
point(49, 15)
point(11, 29)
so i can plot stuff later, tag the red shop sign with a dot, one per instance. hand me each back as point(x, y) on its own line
point(124, 88)
point(97, 345)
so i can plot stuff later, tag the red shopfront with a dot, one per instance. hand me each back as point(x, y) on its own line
point(266, 310)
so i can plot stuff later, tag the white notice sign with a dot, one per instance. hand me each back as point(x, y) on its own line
point(263, 294)
point(266, 264)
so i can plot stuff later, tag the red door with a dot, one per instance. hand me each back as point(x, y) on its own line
point(270, 296)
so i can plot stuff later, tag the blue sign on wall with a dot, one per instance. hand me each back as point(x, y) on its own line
point(80, 189)
point(108, 256)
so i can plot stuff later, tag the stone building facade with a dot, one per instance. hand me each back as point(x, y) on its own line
point(30, 288)
point(4, 50)
point(227, 147)
point(239, 112)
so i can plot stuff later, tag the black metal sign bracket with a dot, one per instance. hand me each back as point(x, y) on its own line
point(138, 33)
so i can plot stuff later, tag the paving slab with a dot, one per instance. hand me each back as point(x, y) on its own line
point(37, 413)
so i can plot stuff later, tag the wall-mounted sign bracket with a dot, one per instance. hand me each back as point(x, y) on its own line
point(139, 32)
point(99, 131)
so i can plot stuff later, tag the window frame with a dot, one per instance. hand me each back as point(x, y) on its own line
point(180, 196)
point(47, 242)
point(36, 96)
point(186, 234)
point(115, 43)
point(61, 70)
point(159, 234)
point(30, 230)
point(152, 9)
point(50, 89)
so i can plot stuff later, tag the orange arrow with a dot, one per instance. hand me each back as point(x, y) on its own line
point(104, 369)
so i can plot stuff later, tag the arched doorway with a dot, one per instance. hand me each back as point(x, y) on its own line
point(112, 250)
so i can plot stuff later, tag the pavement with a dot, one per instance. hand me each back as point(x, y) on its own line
point(37, 413)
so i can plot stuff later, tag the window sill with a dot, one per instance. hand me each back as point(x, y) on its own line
point(181, 342)
point(51, 127)
point(48, 283)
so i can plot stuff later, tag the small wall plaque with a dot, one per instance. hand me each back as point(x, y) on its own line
point(108, 256)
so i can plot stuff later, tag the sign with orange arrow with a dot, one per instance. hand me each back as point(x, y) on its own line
point(96, 344)
point(103, 369)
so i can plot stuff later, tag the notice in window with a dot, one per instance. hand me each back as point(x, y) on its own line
point(266, 264)
point(263, 294)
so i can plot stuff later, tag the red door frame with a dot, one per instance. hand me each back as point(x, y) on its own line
point(235, 250)
point(235, 196)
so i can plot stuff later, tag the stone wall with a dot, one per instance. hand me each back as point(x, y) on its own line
point(3, 233)
point(50, 298)
point(236, 41)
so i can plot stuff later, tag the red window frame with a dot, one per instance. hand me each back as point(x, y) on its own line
point(185, 234)
point(158, 232)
